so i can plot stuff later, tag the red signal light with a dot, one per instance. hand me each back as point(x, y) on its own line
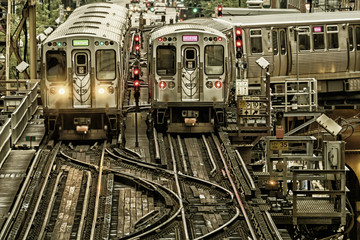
point(136, 71)
point(238, 43)
point(136, 38)
point(219, 8)
point(238, 31)
point(137, 47)
point(136, 83)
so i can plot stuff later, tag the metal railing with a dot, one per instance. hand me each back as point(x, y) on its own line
point(5, 141)
point(23, 113)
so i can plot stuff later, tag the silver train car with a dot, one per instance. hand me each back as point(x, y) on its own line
point(324, 46)
point(189, 77)
point(84, 71)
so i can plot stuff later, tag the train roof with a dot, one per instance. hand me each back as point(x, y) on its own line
point(182, 28)
point(292, 19)
point(228, 11)
point(105, 20)
point(212, 22)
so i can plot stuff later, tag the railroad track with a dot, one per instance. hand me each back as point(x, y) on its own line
point(102, 192)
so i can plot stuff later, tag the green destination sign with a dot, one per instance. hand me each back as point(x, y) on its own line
point(80, 42)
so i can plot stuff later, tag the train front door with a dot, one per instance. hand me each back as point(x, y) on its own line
point(81, 79)
point(280, 52)
point(190, 74)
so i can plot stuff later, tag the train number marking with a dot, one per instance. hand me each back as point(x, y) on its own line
point(279, 145)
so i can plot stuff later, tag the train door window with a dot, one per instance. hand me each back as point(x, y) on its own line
point(357, 38)
point(332, 37)
point(256, 40)
point(81, 64)
point(275, 42)
point(318, 36)
point(190, 58)
point(351, 39)
point(214, 59)
point(304, 38)
point(282, 42)
point(105, 65)
point(166, 60)
point(56, 65)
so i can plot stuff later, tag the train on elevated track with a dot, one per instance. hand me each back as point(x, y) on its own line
point(84, 71)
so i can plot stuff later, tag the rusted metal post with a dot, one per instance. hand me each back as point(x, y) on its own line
point(32, 36)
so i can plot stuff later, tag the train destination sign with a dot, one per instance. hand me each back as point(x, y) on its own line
point(190, 38)
point(80, 42)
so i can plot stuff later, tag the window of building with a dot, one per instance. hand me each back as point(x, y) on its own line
point(332, 37)
point(318, 36)
point(105, 65)
point(166, 60)
point(214, 59)
point(256, 41)
point(56, 65)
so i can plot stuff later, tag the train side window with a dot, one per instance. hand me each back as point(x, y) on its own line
point(332, 37)
point(166, 60)
point(318, 36)
point(304, 38)
point(56, 65)
point(256, 41)
point(351, 39)
point(357, 38)
point(81, 64)
point(282, 42)
point(105, 65)
point(275, 42)
point(214, 59)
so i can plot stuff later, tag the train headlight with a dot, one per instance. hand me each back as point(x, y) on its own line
point(162, 84)
point(171, 85)
point(218, 84)
point(209, 84)
point(62, 90)
point(52, 91)
point(101, 90)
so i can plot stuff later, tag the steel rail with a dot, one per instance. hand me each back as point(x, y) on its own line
point(85, 206)
point(237, 195)
point(246, 171)
point(210, 155)
point(273, 225)
point(178, 188)
point(50, 206)
point(98, 192)
point(182, 154)
point(57, 148)
point(157, 151)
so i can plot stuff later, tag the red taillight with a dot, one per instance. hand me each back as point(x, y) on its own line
point(219, 39)
point(160, 39)
point(137, 47)
point(218, 84)
point(136, 71)
point(136, 83)
point(238, 31)
point(238, 43)
point(162, 84)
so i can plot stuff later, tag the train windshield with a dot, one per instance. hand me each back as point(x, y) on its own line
point(214, 59)
point(56, 65)
point(105, 65)
point(166, 60)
